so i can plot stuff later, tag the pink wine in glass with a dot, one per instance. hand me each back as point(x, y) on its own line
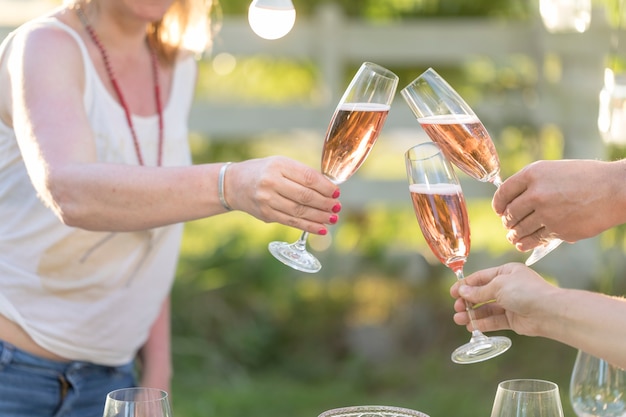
point(442, 215)
point(351, 135)
point(466, 142)
point(450, 122)
point(441, 212)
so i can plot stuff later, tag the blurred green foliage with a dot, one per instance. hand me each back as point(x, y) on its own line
point(378, 10)
point(259, 79)
point(252, 336)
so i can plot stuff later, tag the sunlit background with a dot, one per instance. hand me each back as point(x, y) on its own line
point(253, 337)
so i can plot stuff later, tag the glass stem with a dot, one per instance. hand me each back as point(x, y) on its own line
point(476, 334)
point(300, 244)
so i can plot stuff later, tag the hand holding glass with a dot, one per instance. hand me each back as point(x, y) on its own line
point(450, 122)
point(527, 398)
point(137, 402)
point(442, 215)
point(597, 388)
point(351, 135)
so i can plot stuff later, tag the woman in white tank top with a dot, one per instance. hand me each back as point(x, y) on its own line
point(95, 183)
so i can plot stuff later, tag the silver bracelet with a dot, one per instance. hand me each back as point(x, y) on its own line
point(220, 186)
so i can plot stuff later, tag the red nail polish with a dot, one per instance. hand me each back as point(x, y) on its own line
point(323, 232)
point(337, 193)
point(336, 208)
point(333, 219)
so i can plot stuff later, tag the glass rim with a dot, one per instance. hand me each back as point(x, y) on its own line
point(419, 77)
point(380, 70)
point(534, 386)
point(114, 395)
point(436, 150)
point(360, 409)
point(442, 100)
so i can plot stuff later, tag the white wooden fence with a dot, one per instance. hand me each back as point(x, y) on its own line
point(332, 41)
point(570, 101)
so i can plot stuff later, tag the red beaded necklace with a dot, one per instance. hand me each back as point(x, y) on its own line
point(118, 91)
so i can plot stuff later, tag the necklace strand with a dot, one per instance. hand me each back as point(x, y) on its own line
point(118, 90)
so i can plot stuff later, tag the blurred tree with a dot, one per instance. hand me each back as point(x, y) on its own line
point(396, 9)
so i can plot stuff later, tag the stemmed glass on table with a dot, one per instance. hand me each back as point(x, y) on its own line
point(449, 121)
point(137, 402)
point(442, 215)
point(352, 132)
point(372, 411)
point(597, 388)
point(527, 398)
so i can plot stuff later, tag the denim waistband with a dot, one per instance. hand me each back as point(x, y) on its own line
point(64, 389)
point(12, 354)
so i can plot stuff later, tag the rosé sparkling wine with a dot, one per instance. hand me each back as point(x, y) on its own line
point(442, 215)
point(466, 142)
point(350, 138)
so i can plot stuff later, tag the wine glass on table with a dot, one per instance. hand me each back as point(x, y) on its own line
point(372, 411)
point(442, 216)
point(449, 121)
point(137, 402)
point(527, 398)
point(597, 388)
point(351, 135)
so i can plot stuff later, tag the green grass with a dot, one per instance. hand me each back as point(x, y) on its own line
point(251, 337)
point(428, 382)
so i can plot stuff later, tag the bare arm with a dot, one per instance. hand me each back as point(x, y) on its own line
point(521, 300)
point(155, 355)
point(58, 148)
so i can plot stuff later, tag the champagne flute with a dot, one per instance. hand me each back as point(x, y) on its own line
point(527, 398)
point(137, 402)
point(597, 388)
point(352, 132)
point(442, 215)
point(448, 120)
point(372, 411)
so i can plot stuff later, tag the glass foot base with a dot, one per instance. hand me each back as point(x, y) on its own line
point(295, 257)
point(481, 349)
point(541, 251)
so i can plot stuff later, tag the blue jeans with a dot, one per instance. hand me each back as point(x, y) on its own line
point(31, 386)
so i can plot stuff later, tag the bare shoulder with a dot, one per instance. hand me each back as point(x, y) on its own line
point(40, 54)
point(46, 48)
point(45, 40)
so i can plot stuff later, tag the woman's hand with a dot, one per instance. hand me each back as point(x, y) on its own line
point(279, 189)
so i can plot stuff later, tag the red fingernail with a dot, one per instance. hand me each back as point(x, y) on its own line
point(336, 208)
point(323, 232)
point(333, 219)
point(337, 193)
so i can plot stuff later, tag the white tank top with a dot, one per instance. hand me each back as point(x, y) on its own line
point(90, 296)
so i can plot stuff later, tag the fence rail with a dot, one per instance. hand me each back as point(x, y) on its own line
point(333, 42)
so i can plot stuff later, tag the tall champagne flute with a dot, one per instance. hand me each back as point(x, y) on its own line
point(352, 132)
point(442, 215)
point(137, 402)
point(527, 398)
point(597, 388)
point(448, 120)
